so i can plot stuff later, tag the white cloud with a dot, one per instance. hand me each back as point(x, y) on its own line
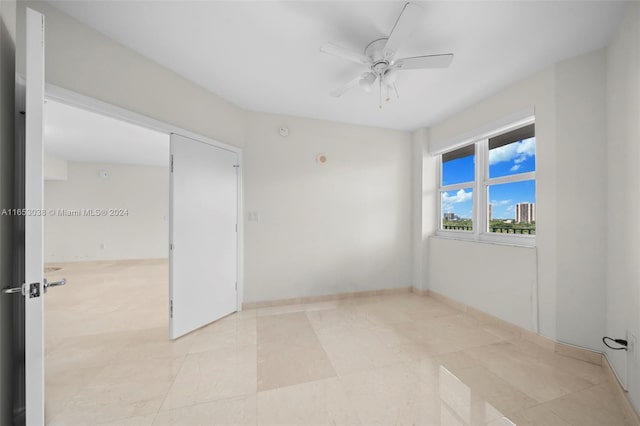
point(518, 152)
point(501, 202)
point(515, 167)
point(460, 197)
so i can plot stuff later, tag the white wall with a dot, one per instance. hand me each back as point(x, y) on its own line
point(623, 134)
point(339, 227)
point(425, 193)
point(537, 91)
point(417, 173)
point(581, 191)
point(55, 168)
point(497, 279)
point(142, 234)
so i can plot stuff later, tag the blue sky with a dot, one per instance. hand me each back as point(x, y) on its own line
point(506, 160)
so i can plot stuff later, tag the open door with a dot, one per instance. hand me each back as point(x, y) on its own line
point(203, 234)
point(31, 285)
point(28, 224)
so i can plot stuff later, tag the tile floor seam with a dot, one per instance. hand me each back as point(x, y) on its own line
point(169, 388)
point(324, 350)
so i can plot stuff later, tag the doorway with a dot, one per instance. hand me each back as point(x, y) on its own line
point(109, 188)
point(106, 194)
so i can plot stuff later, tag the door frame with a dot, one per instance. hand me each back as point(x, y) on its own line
point(74, 99)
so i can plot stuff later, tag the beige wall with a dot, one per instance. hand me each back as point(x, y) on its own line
point(623, 203)
point(142, 234)
point(337, 227)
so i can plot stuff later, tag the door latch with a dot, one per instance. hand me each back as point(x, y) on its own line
point(33, 290)
point(11, 290)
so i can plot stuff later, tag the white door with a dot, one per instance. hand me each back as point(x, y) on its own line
point(30, 99)
point(203, 260)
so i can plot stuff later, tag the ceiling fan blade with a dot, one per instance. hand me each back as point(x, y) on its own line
point(350, 85)
point(402, 29)
point(341, 52)
point(423, 62)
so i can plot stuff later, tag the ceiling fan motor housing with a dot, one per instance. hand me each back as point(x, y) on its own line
point(374, 51)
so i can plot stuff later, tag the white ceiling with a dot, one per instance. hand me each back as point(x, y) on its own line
point(78, 135)
point(264, 56)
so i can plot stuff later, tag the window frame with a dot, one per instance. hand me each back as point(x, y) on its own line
point(480, 187)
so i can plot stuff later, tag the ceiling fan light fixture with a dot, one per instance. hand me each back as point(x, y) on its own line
point(390, 76)
point(366, 83)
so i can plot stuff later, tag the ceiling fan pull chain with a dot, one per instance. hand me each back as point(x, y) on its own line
point(396, 89)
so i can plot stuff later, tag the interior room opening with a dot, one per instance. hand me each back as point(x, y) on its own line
point(106, 195)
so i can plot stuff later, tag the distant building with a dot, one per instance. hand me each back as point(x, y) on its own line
point(525, 212)
point(450, 216)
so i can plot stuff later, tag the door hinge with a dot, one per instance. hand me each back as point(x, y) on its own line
point(171, 164)
point(171, 308)
point(170, 246)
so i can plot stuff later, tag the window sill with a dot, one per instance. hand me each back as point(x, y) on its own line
point(501, 240)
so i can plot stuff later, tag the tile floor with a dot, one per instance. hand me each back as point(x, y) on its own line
point(396, 359)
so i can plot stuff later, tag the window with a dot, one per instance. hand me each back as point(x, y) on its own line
point(488, 188)
point(456, 192)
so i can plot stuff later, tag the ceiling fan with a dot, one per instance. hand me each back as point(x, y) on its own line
point(379, 56)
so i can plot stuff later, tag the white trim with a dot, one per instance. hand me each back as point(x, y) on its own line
point(68, 97)
point(535, 299)
point(471, 184)
point(517, 177)
point(496, 127)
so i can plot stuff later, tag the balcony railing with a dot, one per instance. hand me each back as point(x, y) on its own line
point(505, 230)
point(494, 229)
point(458, 227)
